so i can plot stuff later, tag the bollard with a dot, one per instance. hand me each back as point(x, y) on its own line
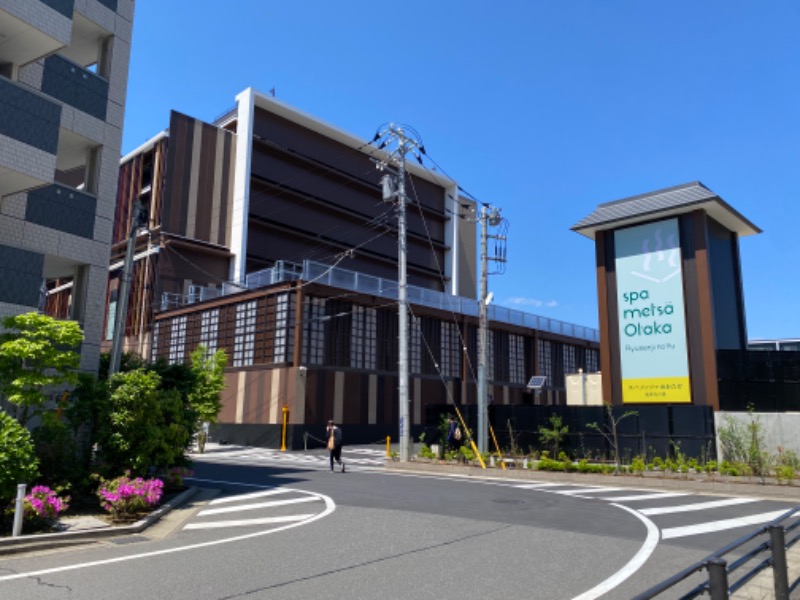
point(19, 511)
point(388, 447)
point(717, 578)
point(491, 461)
point(305, 440)
point(525, 463)
point(780, 569)
point(283, 431)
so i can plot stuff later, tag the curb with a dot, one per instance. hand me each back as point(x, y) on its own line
point(48, 541)
point(717, 487)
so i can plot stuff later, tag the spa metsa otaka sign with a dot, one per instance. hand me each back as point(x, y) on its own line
point(652, 325)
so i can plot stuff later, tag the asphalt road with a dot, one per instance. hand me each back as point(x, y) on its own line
point(296, 531)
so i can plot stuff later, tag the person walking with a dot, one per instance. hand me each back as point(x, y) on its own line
point(453, 434)
point(335, 444)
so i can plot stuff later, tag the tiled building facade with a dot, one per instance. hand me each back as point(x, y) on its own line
point(63, 81)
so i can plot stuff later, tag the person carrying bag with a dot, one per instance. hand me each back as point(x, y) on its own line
point(335, 444)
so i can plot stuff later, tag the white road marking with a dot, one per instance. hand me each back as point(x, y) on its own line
point(330, 506)
point(591, 490)
point(242, 507)
point(636, 498)
point(536, 486)
point(634, 564)
point(247, 496)
point(711, 526)
point(664, 510)
point(247, 522)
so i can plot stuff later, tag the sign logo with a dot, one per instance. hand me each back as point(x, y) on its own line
point(652, 325)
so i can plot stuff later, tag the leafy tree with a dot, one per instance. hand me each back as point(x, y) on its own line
point(147, 426)
point(609, 431)
point(555, 434)
point(18, 462)
point(36, 352)
point(209, 381)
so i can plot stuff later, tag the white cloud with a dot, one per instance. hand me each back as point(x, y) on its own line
point(534, 302)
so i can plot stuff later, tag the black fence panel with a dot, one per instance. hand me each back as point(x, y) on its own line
point(651, 430)
point(767, 381)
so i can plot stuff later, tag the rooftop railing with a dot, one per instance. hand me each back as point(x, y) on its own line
point(314, 272)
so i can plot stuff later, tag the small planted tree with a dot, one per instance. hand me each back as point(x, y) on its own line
point(36, 352)
point(206, 395)
point(609, 431)
point(553, 435)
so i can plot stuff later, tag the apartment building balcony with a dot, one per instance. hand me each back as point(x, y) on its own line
point(29, 136)
point(62, 208)
point(75, 86)
point(30, 29)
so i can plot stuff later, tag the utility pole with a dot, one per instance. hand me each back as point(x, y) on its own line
point(489, 216)
point(394, 189)
point(124, 288)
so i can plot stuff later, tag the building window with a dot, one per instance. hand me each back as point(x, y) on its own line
point(177, 340)
point(209, 329)
point(362, 338)
point(592, 360)
point(244, 334)
point(154, 351)
point(545, 351)
point(516, 359)
point(281, 327)
point(414, 358)
point(570, 359)
point(450, 350)
point(314, 335)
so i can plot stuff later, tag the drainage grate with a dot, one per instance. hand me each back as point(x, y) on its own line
point(131, 539)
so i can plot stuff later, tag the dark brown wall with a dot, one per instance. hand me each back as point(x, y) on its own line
point(312, 198)
point(190, 210)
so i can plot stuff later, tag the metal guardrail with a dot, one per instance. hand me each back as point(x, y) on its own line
point(719, 570)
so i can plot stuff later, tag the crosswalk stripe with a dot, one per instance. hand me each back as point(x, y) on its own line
point(591, 490)
point(227, 509)
point(711, 526)
point(536, 486)
point(663, 510)
point(636, 498)
point(250, 496)
point(246, 522)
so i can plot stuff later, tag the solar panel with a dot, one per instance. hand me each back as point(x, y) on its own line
point(537, 382)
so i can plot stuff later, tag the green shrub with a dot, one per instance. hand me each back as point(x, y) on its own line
point(729, 468)
point(711, 466)
point(18, 462)
point(784, 473)
point(59, 463)
point(548, 464)
point(426, 452)
point(638, 465)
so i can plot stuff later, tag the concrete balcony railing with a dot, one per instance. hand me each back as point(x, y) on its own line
point(75, 86)
point(31, 29)
point(29, 132)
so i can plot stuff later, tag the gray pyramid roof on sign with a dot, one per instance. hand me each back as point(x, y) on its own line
point(664, 203)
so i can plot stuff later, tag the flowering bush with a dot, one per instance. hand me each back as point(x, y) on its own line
point(124, 497)
point(44, 504)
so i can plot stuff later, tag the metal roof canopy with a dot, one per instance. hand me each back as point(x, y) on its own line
point(662, 204)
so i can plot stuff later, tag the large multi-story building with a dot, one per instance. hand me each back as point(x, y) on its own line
point(63, 80)
point(267, 236)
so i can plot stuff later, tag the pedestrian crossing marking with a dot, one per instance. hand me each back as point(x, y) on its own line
point(248, 522)
point(241, 507)
point(712, 526)
point(664, 510)
point(638, 497)
point(250, 496)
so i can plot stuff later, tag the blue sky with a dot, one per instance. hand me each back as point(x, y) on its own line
point(544, 109)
